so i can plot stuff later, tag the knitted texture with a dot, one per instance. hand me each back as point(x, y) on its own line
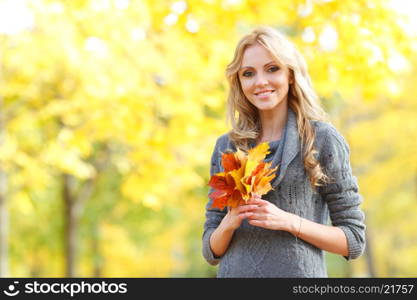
point(258, 252)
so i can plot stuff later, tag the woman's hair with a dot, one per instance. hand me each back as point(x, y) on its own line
point(302, 99)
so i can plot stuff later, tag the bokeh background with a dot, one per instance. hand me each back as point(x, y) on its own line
point(109, 111)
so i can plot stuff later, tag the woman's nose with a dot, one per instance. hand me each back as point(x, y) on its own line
point(261, 80)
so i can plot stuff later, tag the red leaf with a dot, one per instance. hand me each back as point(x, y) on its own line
point(217, 194)
point(230, 162)
point(220, 202)
point(231, 187)
point(235, 199)
point(258, 169)
point(218, 182)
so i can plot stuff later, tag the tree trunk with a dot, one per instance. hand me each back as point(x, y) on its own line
point(74, 202)
point(70, 225)
point(4, 216)
point(4, 227)
point(97, 258)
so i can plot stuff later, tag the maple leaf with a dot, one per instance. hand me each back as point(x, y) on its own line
point(230, 162)
point(237, 177)
point(262, 178)
point(244, 176)
point(259, 152)
point(235, 199)
point(256, 155)
point(219, 199)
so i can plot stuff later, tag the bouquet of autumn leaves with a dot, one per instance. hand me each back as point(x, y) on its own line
point(244, 175)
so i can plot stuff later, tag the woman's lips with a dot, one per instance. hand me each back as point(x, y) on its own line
point(264, 94)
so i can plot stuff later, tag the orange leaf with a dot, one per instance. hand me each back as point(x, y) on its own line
point(217, 194)
point(243, 176)
point(237, 176)
point(220, 202)
point(235, 199)
point(230, 162)
point(221, 183)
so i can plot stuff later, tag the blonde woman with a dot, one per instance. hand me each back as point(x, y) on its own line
point(271, 99)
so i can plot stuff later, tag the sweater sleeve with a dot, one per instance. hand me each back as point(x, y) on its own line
point(213, 215)
point(341, 193)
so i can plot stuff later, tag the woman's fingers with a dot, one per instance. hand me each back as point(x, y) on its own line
point(258, 216)
point(246, 207)
point(245, 215)
point(257, 201)
point(252, 210)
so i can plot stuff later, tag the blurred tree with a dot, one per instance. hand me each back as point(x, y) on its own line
point(112, 107)
point(4, 217)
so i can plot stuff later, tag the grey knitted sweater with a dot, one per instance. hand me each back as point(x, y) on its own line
point(259, 252)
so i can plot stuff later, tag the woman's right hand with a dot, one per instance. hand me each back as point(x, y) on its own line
point(235, 215)
point(221, 237)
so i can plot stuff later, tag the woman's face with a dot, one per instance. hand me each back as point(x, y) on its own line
point(264, 82)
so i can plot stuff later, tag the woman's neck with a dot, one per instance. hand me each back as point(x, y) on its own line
point(273, 122)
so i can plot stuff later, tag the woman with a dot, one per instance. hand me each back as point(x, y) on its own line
point(271, 99)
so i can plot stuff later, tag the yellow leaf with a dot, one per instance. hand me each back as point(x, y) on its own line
point(259, 152)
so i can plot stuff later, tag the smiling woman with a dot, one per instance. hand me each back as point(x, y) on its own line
point(271, 99)
point(265, 84)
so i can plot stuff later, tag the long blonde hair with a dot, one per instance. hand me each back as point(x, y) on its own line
point(302, 99)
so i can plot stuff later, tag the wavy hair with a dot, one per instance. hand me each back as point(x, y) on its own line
point(302, 99)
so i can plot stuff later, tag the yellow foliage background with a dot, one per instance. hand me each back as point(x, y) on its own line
point(125, 99)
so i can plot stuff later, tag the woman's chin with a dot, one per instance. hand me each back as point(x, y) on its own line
point(272, 103)
point(267, 106)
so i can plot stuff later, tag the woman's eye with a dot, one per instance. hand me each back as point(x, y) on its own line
point(247, 73)
point(273, 69)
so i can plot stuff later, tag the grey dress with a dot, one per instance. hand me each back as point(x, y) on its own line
point(259, 252)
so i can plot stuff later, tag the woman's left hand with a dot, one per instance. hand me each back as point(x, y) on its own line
point(268, 215)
